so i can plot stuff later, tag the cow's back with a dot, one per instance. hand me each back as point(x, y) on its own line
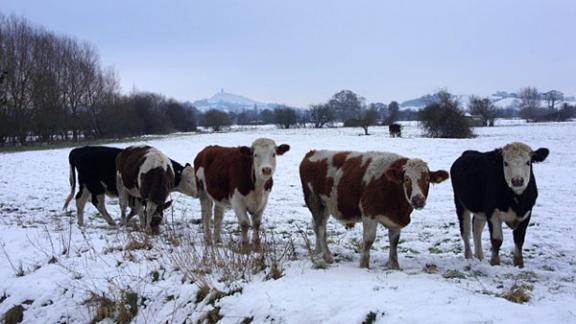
point(477, 179)
point(221, 170)
point(96, 163)
point(338, 179)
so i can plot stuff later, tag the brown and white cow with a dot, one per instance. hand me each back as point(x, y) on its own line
point(239, 178)
point(145, 177)
point(371, 187)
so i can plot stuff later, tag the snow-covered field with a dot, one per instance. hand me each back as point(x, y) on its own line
point(54, 270)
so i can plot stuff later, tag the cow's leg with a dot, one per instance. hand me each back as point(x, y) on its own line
point(519, 234)
point(206, 207)
point(495, 226)
point(256, 222)
point(218, 216)
point(81, 198)
point(370, 226)
point(135, 206)
point(151, 208)
point(464, 221)
point(479, 222)
point(100, 205)
point(244, 222)
point(123, 199)
point(320, 219)
point(393, 238)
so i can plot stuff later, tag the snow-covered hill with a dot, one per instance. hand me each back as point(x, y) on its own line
point(230, 102)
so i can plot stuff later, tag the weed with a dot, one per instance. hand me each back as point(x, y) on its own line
point(430, 268)
point(454, 274)
point(247, 320)
point(14, 315)
point(517, 294)
point(370, 318)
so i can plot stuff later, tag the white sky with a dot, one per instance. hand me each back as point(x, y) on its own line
point(302, 52)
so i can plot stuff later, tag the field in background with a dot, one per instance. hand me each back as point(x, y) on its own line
point(58, 272)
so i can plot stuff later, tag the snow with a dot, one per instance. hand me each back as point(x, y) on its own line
point(34, 229)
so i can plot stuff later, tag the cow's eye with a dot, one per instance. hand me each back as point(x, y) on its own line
point(505, 163)
point(273, 154)
point(528, 163)
point(255, 155)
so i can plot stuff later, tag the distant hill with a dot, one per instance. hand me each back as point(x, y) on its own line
point(231, 103)
point(501, 99)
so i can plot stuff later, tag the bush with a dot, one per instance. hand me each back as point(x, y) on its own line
point(444, 119)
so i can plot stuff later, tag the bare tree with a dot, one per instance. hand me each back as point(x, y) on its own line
point(529, 103)
point(347, 105)
point(215, 119)
point(369, 117)
point(321, 115)
point(552, 97)
point(393, 112)
point(484, 108)
point(285, 117)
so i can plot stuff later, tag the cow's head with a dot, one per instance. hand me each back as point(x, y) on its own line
point(188, 184)
point(415, 177)
point(157, 214)
point(263, 153)
point(517, 163)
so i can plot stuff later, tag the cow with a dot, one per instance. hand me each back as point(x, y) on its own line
point(395, 130)
point(146, 176)
point(239, 178)
point(96, 169)
point(367, 187)
point(496, 186)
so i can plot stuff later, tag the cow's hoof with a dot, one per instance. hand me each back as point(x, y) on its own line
point(328, 258)
point(468, 254)
point(495, 260)
point(364, 264)
point(245, 248)
point(479, 256)
point(519, 262)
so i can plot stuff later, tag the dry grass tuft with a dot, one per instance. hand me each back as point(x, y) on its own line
point(518, 294)
point(121, 311)
point(141, 243)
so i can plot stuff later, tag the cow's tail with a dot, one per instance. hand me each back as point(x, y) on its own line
point(72, 186)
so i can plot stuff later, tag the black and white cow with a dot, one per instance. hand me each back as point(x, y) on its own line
point(96, 168)
point(497, 186)
point(146, 176)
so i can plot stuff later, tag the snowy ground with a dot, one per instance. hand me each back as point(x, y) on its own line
point(52, 269)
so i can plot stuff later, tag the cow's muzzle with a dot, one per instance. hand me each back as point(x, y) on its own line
point(418, 202)
point(267, 171)
point(517, 182)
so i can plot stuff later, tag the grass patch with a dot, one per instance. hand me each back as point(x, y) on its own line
point(430, 268)
point(370, 318)
point(134, 243)
point(518, 294)
point(454, 274)
point(121, 311)
point(14, 315)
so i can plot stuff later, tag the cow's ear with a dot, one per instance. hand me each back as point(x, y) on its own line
point(438, 176)
point(245, 150)
point(395, 175)
point(167, 205)
point(282, 149)
point(540, 155)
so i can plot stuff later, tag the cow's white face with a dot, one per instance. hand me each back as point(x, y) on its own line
point(415, 178)
point(188, 181)
point(264, 153)
point(517, 163)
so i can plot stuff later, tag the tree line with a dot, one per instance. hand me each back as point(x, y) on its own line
point(54, 88)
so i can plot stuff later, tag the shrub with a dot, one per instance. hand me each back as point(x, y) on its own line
point(444, 119)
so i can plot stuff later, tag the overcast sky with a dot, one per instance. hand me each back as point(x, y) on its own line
point(302, 52)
